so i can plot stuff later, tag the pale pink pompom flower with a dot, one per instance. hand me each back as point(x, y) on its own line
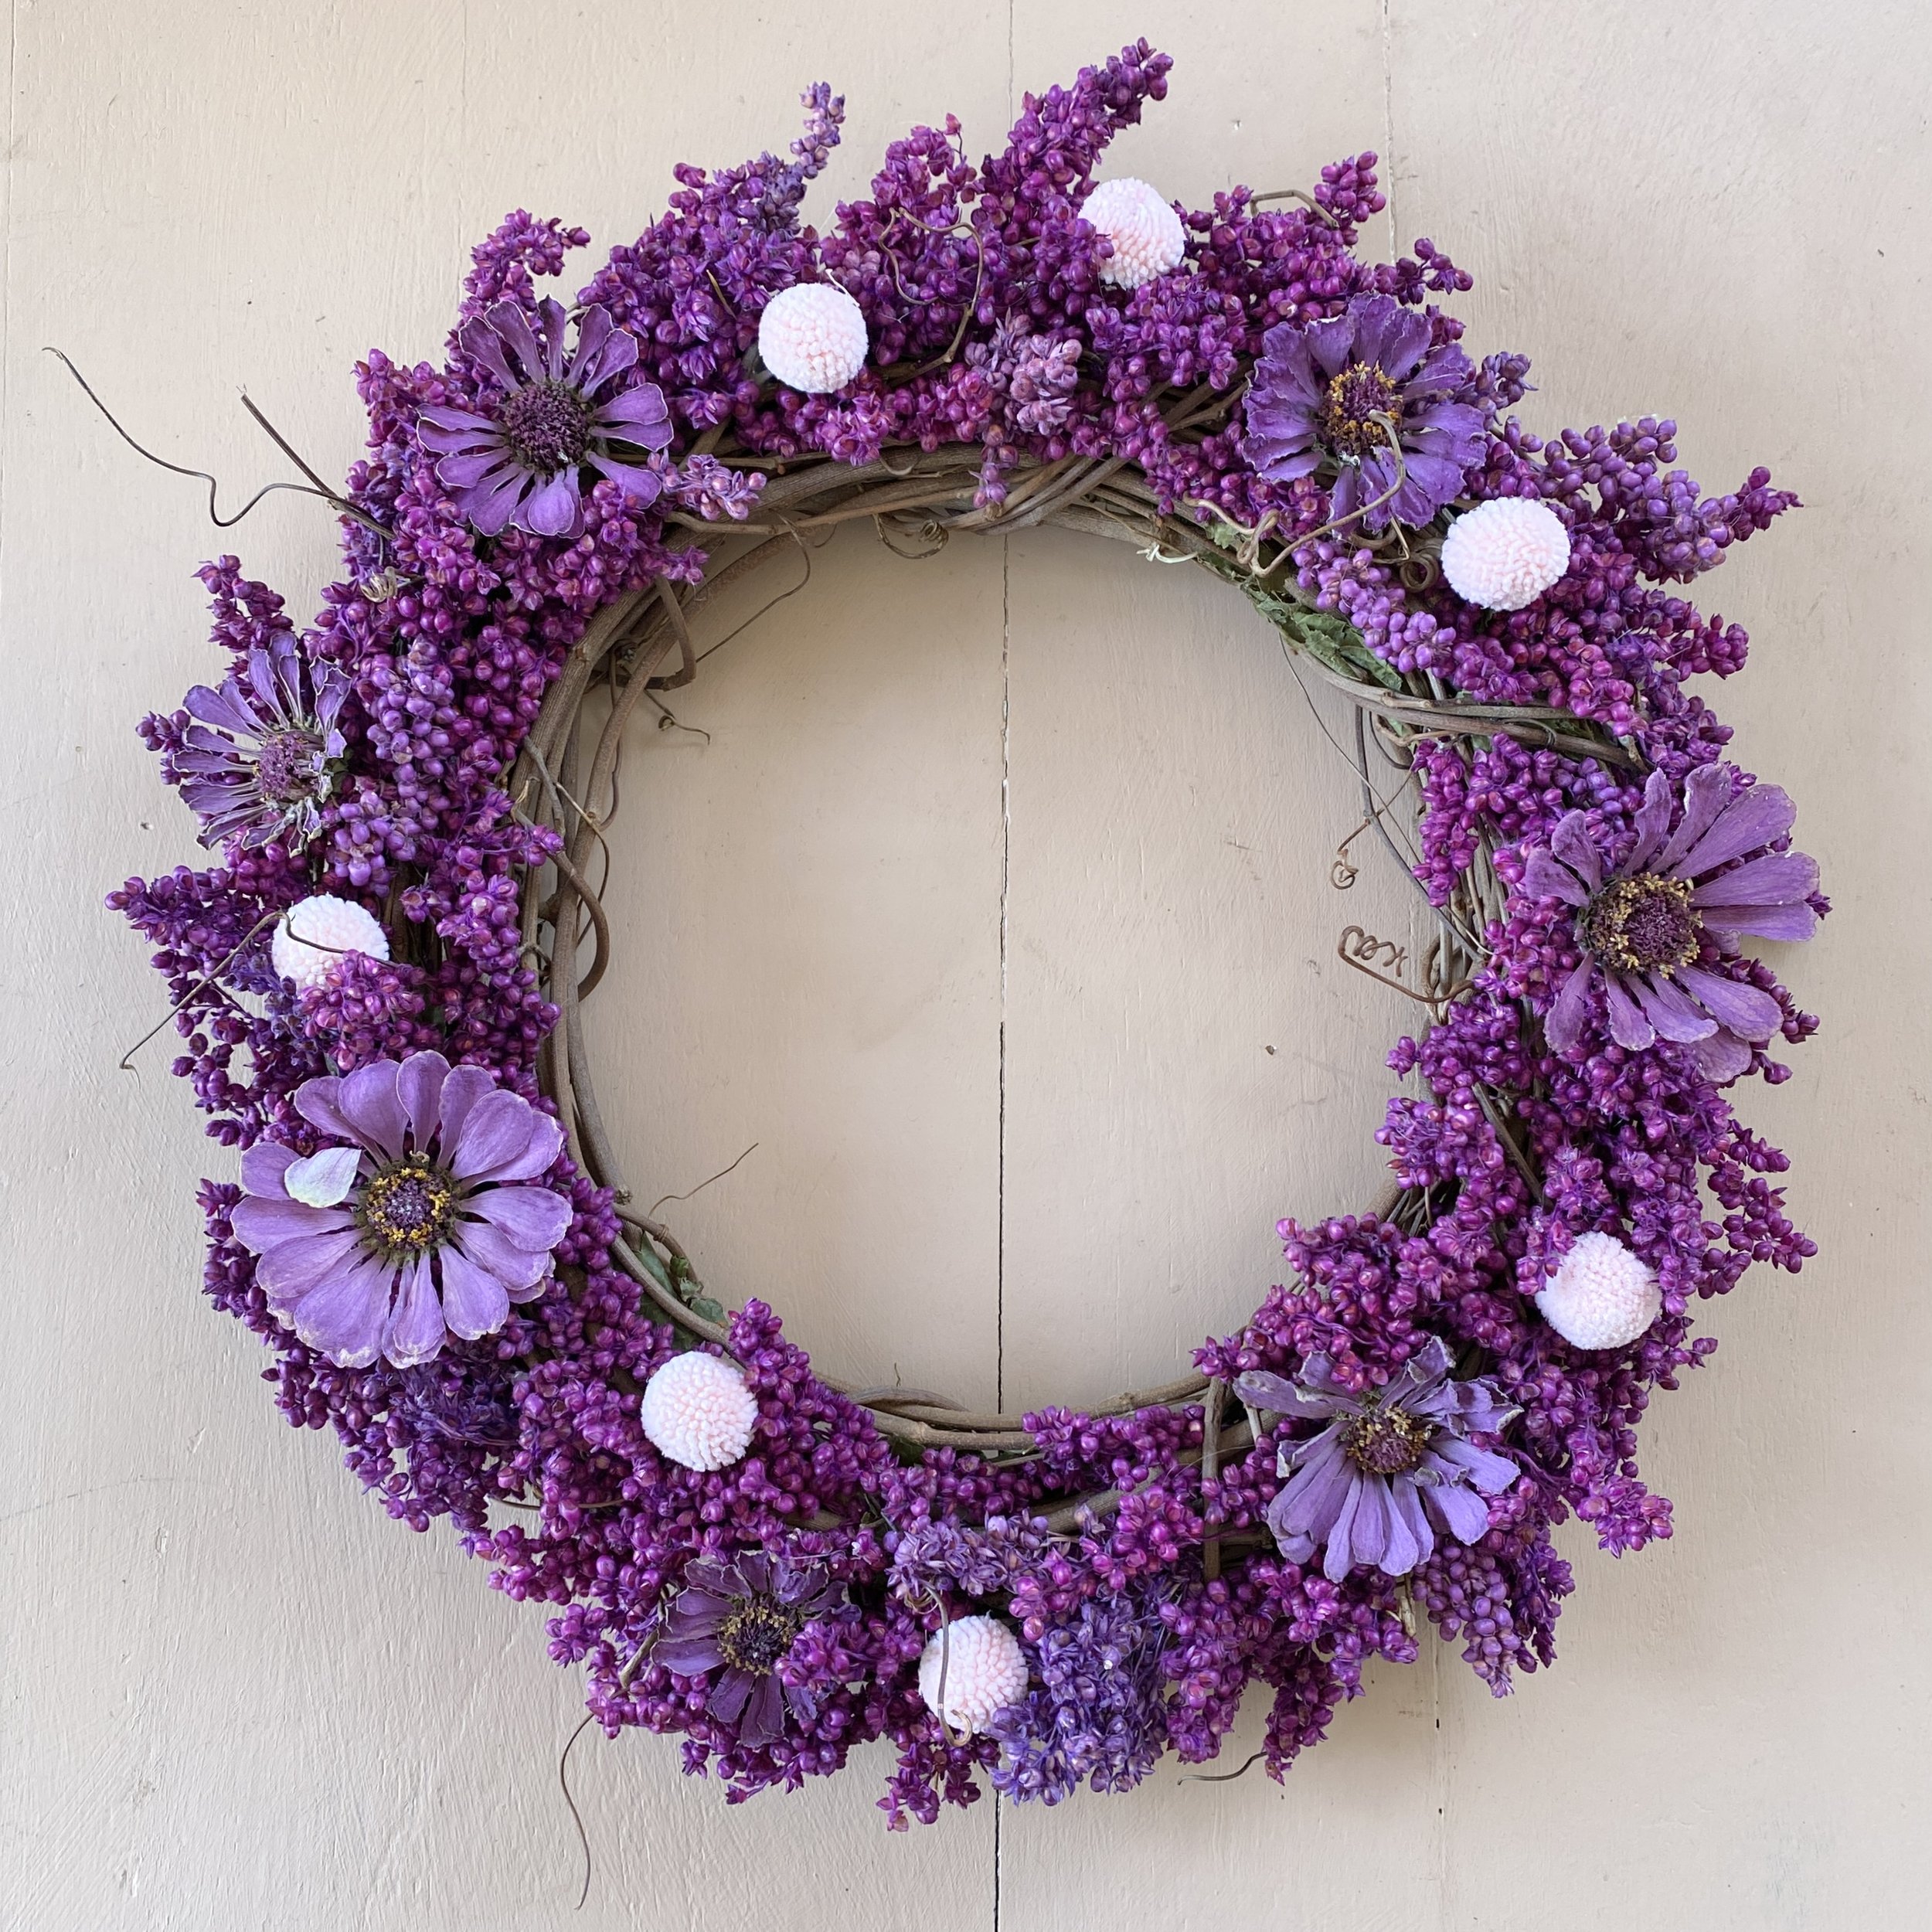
point(698, 1412)
point(1601, 1296)
point(970, 1670)
point(316, 933)
point(1506, 553)
point(812, 337)
point(1148, 237)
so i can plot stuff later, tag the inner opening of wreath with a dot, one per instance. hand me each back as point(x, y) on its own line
point(990, 942)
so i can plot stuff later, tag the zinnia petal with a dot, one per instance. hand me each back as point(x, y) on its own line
point(1747, 1010)
point(368, 1100)
point(688, 1656)
point(643, 486)
point(1309, 1502)
point(764, 1722)
point(415, 1330)
point(261, 1222)
point(1778, 879)
point(1491, 1473)
point(1280, 1396)
point(1369, 1533)
point(503, 1138)
point(1544, 878)
point(1628, 1028)
point(323, 1179)
point(1405, 340)
point(556, 508)
point(489, 1247)
point(1652, 821)
point(1564, 1026)
point(1797, 922)
point(345, 1316)
point(490, 509)
point(1329, 343)
point(419, 1086)
point(603, 351)
point(728, 1695)
point(1721, 1057)
point(263, 1166)
point(1403, 1548)
point(1572, 843)
point(1461, 1512)
point(637, 415)
point(1339, 1559)
point(462, 1089)
point(529, 1217)
point(1669, 1011)
point(475, 1302)
point(290, 1269)
point(481, 342)
point(1751, 820)
point(1706, 792)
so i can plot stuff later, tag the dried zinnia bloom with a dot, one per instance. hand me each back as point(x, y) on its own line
point(417, 1221)
point(741, 1618)
point(521, 465)
point(1652, 931)
point(1364, 393)
point(1392, 1464)
point(259, 763)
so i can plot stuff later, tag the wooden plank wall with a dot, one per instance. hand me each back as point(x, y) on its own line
point(994, 909)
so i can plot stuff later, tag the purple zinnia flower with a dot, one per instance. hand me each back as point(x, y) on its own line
point(418, 1227)
point(259, 762)
point(743, 1618)
point(1644, 924)
point(1390, 1460)
point(521, 465)
point(1364, 392)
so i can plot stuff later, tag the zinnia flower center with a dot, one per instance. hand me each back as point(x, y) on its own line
point(285, 772)
point(548, 426)
point(410, 1206)
point(1644, 924)
point(757, 1635)
point(1356, 397)
point(1386, 1442)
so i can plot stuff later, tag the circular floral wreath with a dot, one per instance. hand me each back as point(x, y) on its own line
point(380, 984)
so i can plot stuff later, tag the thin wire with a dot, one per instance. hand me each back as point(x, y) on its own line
point(577, 1816)
point(702, 1185)
point(1221, 1777)
point(317, 487)
point(804, 550)
point(207, 980)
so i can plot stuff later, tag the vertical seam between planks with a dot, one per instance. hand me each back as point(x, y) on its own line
point(1388, 118)
point(1005, 881)
point(1006, 884)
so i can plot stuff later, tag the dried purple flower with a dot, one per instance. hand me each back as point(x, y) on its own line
point(741, 1618)
point(259, 763)
point(1364, 392)
point(1390, 1460)
point(1650, 930)
point(521, 466)
point(417, 1225)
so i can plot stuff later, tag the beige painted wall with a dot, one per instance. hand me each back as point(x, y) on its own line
point(234, 1695)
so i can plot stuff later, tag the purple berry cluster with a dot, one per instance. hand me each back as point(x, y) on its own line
point(1145, 1615)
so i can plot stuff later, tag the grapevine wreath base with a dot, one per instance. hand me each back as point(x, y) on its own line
point(381, 983)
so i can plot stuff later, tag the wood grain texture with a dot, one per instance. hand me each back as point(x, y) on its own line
point(977, 911)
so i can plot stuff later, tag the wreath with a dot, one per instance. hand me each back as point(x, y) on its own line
point(380, 983)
